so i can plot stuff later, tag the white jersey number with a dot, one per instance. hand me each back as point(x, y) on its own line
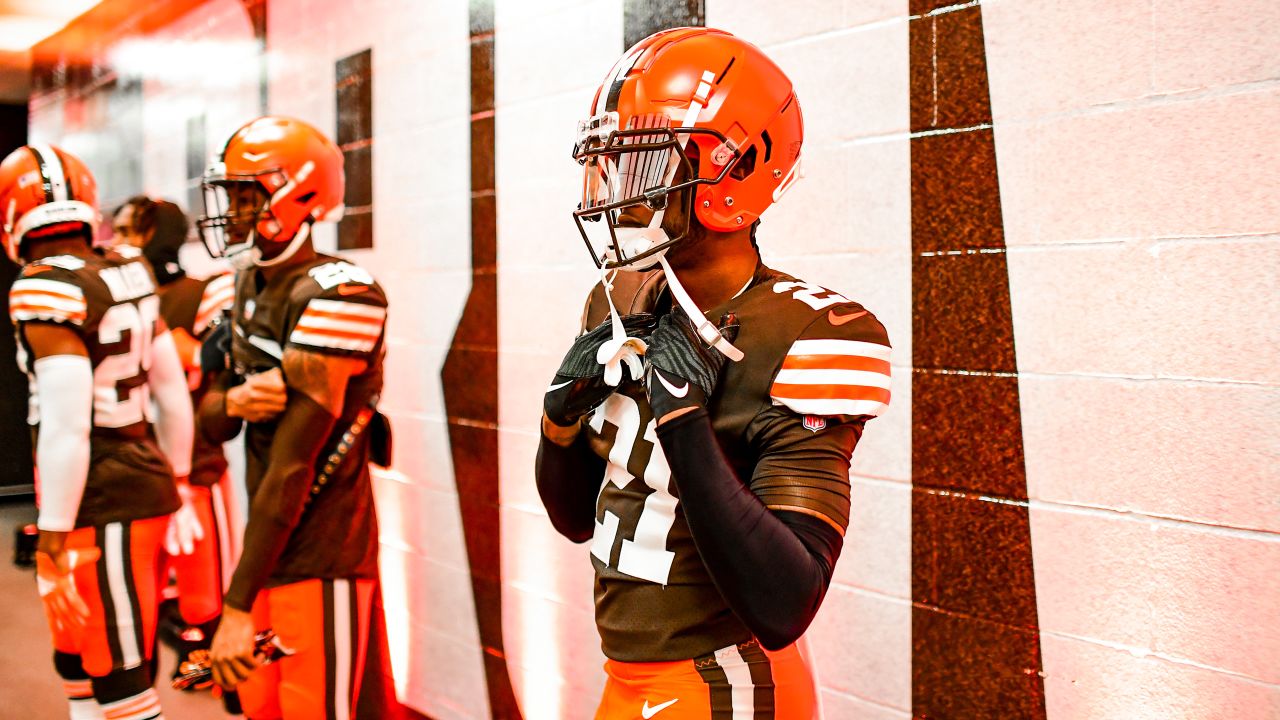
point(120, 393)
point(808, 293)
point(645, 554)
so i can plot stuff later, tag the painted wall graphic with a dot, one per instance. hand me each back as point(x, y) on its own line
point(470, 378)
point(353, 103)
point(1066, 215)
point(975, 634)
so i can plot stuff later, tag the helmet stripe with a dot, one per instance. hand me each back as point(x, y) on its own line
point(616, 79)
point(56, 187)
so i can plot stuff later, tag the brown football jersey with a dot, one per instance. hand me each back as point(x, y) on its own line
point(192, 306)
point(325, 305)
point(110, 301)
point(787, 417)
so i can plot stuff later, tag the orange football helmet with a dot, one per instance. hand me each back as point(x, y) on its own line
point(693, 98)
point(272, 180)
point(45, 191)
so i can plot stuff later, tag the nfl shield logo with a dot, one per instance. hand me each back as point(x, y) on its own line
point(813, 423)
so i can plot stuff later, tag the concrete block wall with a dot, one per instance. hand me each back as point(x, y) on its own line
point(1141, 216)
point(1140, 213)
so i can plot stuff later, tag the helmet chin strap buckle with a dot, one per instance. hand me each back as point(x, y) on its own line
point(709, 333)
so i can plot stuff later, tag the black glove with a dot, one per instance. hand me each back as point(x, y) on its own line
point(680, 369)
point(215, 351)
point(579, 385)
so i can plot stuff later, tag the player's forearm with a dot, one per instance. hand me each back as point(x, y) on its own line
point(212, 420)
point(64, 384)
point(773, 581)
point(278, 502)
point(175, 421)
point(568, 479)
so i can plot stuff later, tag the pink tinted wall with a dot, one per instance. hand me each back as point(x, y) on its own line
point(1140, 210)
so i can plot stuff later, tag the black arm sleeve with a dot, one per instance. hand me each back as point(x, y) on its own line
point(276, 506)
point(568, 481)
point(212, 421)
point(772, 568)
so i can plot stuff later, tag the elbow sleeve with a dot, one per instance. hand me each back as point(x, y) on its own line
point(64, 386)
point(175, 426)
point(214, 424)
point(772, 569)
point(568, 481)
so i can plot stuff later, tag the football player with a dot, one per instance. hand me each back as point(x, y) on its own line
point(98, 353)
point(704, 454)
point(306, 350)
point(190, 308)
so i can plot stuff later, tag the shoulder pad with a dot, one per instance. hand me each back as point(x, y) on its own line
point(839, 365)
point(336, 273)
point(219, 294)
point(66, 262)
point(52, 296)
point(340, 325)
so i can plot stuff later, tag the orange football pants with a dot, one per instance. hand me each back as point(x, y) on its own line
point(199, 575)
point(120, 590)
point(326, 624)
point(105, 667)
point(739, 682)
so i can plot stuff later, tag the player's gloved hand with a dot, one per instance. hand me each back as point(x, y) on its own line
point(215, 351)
point(680, 369)
point(56, 582)
point(185, 529)
point(579, 385)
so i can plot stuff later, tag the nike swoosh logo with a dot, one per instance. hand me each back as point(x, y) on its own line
point(351, 289)
point(676, 391)
point(557, 386)
point(647, 712)
point(839, 320)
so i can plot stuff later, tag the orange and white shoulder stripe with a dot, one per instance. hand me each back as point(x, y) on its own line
point(218, 296)
point(834, 377)
point(40, 299)
point(339, 324)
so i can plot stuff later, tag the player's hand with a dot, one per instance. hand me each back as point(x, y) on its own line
point(580, 385)
point(260, 398)
point(232, 653)
point(55, 579)
point(185, 529)
point(680, 369)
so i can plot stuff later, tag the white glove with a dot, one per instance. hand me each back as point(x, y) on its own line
point(185, 529)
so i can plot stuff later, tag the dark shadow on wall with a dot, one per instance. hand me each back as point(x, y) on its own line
point(642, 18)
point(470, 380)
point(975, 632)
point(15, 450)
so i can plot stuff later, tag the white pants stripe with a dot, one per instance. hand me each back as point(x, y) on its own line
point(342, 650)
point(742, 689)
point(118, 586)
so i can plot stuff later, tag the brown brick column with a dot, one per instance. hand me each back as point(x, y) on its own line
point(975, 635)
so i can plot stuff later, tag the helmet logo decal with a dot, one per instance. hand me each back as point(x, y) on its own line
point(254, 157)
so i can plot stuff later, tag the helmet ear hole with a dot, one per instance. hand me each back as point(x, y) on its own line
point(745, 165)
point(304, 199)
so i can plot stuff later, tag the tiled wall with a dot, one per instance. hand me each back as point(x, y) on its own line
point(1120, 196)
